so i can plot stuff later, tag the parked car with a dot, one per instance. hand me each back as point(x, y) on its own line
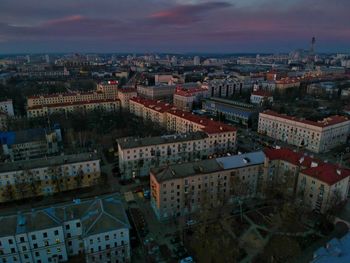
point(191, 222)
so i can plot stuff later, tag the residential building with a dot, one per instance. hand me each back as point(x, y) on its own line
point(95, 228)
point(180, 189)
point(229, 86)
point(7, 108)
point(82, 106)
point(157, 92)
point(3, 121)
point(260, 97)
point(230, 110)
point(287, 83)
point(31, 143)
point(38, 177)
point(320, 185)
point(138, 155)
point(109, 88)
point(124, 95)
point(316, 136)
point(184, 99)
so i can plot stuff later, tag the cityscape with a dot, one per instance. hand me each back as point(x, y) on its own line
point(174, 131)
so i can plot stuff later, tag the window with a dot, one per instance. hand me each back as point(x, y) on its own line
point(22, 239)
point(67, 227)
point(10, 241)
point(33, 237)
point(56, 232)
point(45, 235)
point(78, 224)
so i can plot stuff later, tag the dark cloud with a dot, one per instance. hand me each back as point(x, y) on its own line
point(109, 25)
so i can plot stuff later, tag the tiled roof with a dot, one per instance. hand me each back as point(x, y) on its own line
point(332, 120)
point(262, 93)
point(325, 172)
point(328, 173)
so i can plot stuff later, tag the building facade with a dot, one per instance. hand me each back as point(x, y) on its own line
point(185, 98)
point(230, 110)
point(318, 184)
point(40, 177)
point(158, 92)
point(260, 97)
point(7, 108)
point(96, 229)
point(30, 144)
point(320, 136)
point(181, 189)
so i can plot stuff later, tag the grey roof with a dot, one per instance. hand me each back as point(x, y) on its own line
point(176, 171)
point(30, 135)
point(97, 215)
point(241, 160)
point(45, 162)
point(232, 103)
point(128, 143)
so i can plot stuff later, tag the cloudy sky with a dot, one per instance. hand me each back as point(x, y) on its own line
point(173, 25)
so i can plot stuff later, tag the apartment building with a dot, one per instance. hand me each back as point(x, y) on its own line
point(227, 87)
point(157, 92)
point(221, 136)
point(287, 83)
point(109, 88)
point(97, 229)
point(38, 177)
point(138, 155)
point(184, 99)
point(7, 108)
point(320, 185)
point(31, 143)
point(259, 97)
point(316, 136)
point(65, 108)
point(124, 95)
point(181, 189)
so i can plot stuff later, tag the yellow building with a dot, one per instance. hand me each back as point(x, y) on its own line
point(47, 176)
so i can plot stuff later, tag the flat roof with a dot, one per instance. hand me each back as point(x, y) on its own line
point(128, 143)
point(46, 162)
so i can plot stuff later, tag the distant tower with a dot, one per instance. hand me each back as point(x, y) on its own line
point(196, 61)
point(312, 48)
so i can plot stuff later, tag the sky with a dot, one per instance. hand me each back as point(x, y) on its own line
point(178, 26)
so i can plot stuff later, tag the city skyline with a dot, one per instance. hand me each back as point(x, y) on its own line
point(173, 26)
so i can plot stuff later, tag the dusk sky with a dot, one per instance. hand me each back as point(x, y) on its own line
point(173, 26)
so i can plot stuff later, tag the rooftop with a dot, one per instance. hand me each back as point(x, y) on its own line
point(262, 93)
point(325, 172)
point(97, 215)
point(73, 103)
point(184, 170)
point(47, 162)
point(165, 139)
point(332, 120)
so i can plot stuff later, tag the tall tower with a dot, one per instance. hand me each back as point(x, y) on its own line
point(312, 48)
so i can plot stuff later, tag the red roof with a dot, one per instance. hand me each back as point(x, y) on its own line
point(262, 93)
point(332, 120)
point(290, 156)
point(156, 105)
point(189, 92)
point(325, 172)
point(209, 126)
point(72, 103)
point(126, 90)
point(328, 173)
